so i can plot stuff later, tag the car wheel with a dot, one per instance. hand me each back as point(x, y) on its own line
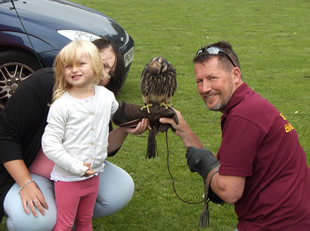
point(15, 67)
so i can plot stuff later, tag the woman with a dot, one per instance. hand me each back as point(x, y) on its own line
point(26, 192)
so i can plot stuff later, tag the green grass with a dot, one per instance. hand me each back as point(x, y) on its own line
point(272, 39)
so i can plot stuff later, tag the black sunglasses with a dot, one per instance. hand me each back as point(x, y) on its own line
point(214, 51)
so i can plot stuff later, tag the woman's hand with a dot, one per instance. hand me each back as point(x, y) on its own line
point(30, 193)
point(33, 198)
point(118, 135)
point(141, 127)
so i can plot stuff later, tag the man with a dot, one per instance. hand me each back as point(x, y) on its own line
point(260, 166)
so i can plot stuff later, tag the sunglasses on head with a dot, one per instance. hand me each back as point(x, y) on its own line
point(214, 51)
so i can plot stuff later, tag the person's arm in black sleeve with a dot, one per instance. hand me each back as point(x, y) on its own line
point(22, 124)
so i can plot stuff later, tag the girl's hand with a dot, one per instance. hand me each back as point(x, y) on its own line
point(90, 171)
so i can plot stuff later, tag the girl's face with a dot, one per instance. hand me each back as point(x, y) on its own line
point(108, 60)
point(80, 75)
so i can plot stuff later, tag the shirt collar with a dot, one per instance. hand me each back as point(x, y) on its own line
point(237, 97)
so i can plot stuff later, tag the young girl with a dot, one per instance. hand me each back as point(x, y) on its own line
point(76, 136)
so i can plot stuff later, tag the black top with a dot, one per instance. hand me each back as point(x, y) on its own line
point(22, 124)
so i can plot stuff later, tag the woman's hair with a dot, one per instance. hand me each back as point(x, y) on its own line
point(118, 77)
point(71, 55)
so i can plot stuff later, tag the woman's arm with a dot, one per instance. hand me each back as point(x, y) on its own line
point(30, 194)
point(21, 123)
point(118, 135)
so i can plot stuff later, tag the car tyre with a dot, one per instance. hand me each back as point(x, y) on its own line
point(15, 67)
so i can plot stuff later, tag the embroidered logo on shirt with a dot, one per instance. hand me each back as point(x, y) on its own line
point(288, 127)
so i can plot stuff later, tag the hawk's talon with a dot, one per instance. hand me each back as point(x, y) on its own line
point(147, 106)
point(166, 105)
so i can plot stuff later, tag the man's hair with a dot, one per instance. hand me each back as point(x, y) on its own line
point(226, 47)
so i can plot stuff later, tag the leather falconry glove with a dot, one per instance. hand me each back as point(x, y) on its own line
point(206, 165)
point(129, 115)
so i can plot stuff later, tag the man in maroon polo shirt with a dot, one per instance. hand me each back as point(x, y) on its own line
point(260, 167)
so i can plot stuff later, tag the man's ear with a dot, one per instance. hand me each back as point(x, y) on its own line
point(237, 77)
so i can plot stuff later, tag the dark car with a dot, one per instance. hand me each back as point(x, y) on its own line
point(33, 31)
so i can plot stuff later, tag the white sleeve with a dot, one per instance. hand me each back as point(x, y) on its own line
point(115, 106)
point(52, 140)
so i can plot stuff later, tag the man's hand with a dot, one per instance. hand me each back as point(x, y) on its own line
point(182, 130)
point(201, 160)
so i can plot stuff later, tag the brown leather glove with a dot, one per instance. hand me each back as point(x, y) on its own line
point(129, 115)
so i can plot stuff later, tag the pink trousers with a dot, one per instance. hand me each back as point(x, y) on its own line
point(75, 201)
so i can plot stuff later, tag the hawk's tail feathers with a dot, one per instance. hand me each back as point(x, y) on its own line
point(151, 145)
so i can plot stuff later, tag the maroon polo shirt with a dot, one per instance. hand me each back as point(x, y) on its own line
point(260, 144)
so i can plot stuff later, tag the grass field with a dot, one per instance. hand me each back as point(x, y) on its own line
point(272, 39)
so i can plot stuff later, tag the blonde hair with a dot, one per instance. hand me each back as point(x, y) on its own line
point(70, 55)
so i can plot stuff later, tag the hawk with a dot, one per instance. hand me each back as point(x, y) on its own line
point(158, 84)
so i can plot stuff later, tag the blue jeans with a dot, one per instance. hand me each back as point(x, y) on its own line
point(116, 189)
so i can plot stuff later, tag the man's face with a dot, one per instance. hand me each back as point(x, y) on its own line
point(215, 83)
